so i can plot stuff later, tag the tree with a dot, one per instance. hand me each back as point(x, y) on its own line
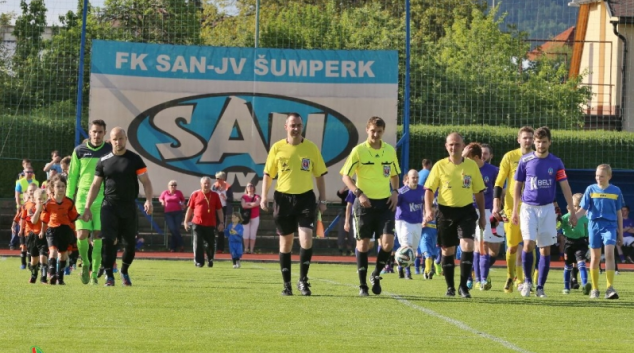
point(155, 21)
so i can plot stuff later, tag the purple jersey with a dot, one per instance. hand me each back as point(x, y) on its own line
point(540, 176)
point(489, 174)
point(409, 207)
point(350, 197)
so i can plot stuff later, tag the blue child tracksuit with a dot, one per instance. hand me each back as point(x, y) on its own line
point(235, 232)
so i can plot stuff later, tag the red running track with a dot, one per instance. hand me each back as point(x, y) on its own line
point(164, 255)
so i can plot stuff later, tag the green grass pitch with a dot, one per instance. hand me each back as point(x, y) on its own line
point(175, 307)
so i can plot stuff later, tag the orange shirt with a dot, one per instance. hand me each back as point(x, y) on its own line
point(27, 212)
point(55, 214)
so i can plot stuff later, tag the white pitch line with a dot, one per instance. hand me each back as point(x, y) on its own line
point(461, 325)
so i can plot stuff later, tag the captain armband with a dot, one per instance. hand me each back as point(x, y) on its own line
point(497, 192)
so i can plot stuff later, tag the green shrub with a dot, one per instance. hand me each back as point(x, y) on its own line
point(577, 149)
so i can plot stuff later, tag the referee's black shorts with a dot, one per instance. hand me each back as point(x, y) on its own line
point(376, 220)
point(455, 223)
point(575, 250)
point(119, 222)
point(291, 211)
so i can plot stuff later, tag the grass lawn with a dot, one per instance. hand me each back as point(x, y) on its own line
point(175, 307)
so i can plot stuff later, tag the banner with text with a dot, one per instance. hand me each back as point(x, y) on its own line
point(191, 111)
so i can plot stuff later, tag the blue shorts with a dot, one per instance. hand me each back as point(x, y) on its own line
point(427, 245)
point(602, 232)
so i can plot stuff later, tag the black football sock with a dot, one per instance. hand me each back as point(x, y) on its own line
point(381, 260)
point(362, 267)
point(285, 266)
point(305, 255)
point(448, 267)
point(466, 265)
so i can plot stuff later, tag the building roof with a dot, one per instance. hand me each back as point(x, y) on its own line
point(550, 48)
point(623, 9)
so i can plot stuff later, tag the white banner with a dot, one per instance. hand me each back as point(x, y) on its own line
point(192, 111)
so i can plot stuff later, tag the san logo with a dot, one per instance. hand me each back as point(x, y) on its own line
point(200, 135)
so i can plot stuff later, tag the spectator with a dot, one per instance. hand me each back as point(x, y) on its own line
point(234, 233)
point(23, 183)
point(26, 163)
point(223, 190)
point(251, 201)
point(424, 173)
point(65, 164)
point(173, 202)
point(54, 164)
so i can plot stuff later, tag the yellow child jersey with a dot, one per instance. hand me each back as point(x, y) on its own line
point(456, 184)
point(374, 168)
point(294, 166)
point(508, 166)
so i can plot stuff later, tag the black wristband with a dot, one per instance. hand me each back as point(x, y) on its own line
point(497, 192)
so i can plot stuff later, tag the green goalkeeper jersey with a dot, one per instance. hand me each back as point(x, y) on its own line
point(578, 232)
point(82, 168)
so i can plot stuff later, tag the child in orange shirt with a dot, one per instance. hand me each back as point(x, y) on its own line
point(58, 214)
point(35, 241)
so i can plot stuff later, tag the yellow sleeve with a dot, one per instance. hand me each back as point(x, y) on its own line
point(397, 169)
point(505, 168)
point(270, 168)
point(433, 180)
point(478, 183)
point(350, 167)
point(319, 166)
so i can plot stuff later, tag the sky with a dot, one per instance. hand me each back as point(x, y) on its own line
point(55, 7)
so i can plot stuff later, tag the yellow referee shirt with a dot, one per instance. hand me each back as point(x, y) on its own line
point(456, 184)
point(508, 166)
point(294, 166)
point(374, 168)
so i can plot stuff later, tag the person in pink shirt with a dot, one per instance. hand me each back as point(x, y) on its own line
point(173, 202)
point(251, 201)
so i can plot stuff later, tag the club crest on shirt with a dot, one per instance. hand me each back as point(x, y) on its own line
point(305, 164)
point(386, 170)
point(466, 181)
point(550, 171)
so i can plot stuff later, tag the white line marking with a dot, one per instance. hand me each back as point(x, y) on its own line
point(459, 324)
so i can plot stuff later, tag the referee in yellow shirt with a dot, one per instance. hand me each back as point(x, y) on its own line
point(508, 166)
point(376, 165)
point(457, 180)
point(294, 161)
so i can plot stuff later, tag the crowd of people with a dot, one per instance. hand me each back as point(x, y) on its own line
point(59, 221)
point(460, 208)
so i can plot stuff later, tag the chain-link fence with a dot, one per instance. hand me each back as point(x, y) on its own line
point(472, 62)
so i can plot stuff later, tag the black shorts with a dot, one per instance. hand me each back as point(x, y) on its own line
point(60, 237)
point(575, 250)
point(291, 211)
point(119, 223)
point(36, 246)
point(376, 220)
point(22, 239)
point(455, 223)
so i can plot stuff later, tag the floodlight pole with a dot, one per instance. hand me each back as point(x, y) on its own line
point(257, 23)
point(406, 107)
point(80, 78)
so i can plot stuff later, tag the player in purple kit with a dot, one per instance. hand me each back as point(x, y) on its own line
point(487, 241)
point(409, 213)
point(539, 170)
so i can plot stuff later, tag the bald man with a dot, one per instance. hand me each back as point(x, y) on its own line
point(121, 170)
point(457, 180)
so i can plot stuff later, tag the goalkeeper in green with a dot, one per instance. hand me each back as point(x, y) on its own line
point(80, 177)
